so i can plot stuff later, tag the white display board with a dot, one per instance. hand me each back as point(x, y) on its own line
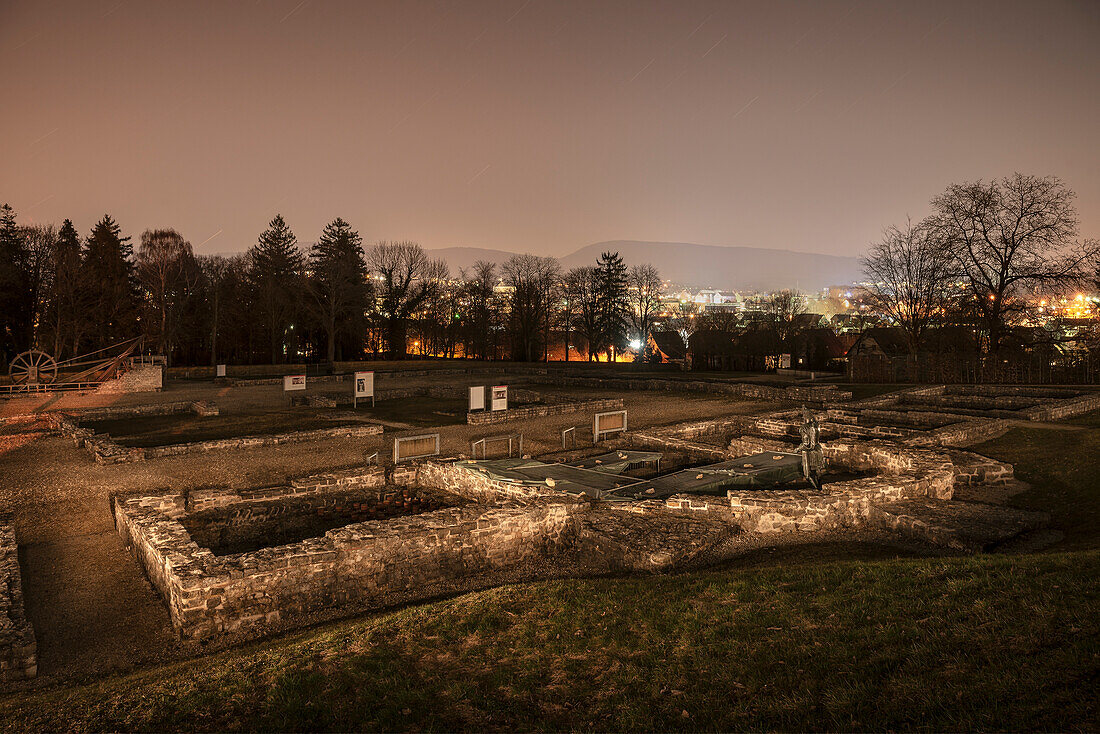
point(784, 361)
point(221, 370)
point(415, 447)
point(477, 398)
point(500, 397)
point(605, 424)
point(363, 387)
point(294, 382)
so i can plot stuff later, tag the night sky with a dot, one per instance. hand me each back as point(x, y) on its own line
point(539, 125)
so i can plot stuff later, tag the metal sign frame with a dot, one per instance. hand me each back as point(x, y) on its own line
point(499, 397)
point(477, 398)
point(483, 442)
point(362, 386)
point(397, 442)
point(569, 438)
point(294, 382)
point(598, 432)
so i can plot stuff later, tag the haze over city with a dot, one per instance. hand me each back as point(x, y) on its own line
point(539, 126)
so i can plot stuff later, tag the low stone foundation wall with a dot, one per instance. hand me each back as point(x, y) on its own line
point(175, 407)
point(1064, 408)
point(106, 451)
point(684, 437)
point(1033, 391)
point(330, 400)
point(541, 411)
point(897, 472)
point(355, 566)
point(18, 649)
point(974, 469)
point(815, 394)
point(964, 434)
point(139, 378)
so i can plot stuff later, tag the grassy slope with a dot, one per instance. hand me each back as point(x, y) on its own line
point(993, 642)
point(1063, 469)
point(990, 642)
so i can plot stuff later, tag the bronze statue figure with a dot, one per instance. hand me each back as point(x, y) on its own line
point(813, 457)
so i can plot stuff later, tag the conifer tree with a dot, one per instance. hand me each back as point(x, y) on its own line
point(338, 285)
point(276, 279)
point(70, 291)
point(14, 307)
point(614, 305)
point(109, 269)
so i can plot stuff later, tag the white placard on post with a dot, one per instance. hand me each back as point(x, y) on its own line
point(221, 370)
point(364, 387)
point(477, 398)
point(607, 423)
point(294, 382)
point(500, 397)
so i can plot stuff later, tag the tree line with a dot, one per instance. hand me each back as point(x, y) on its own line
point(982, 259)
point(333, 300)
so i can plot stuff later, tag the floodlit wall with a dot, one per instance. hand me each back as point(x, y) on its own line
point(361, 565)
point(18, 649)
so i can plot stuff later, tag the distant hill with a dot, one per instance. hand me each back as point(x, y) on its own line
point(699, 266)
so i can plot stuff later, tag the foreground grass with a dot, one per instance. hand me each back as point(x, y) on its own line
point(946, 644)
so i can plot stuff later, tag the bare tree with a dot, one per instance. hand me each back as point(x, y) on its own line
point(481, 307)
point(785, 307)
point(684, 318)
point(582, 286)
point(41, 246)
point(532, 279)
point(718, 321)
point(645, 289)
point(222, 281)
point(168, 272)
point(910, 276)
point(406, 279)
point(1007, 237)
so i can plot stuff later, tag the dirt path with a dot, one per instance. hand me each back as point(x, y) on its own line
point(92, 612)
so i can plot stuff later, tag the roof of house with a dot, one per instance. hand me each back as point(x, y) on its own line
point(711, 342)
point(670, 343)
point(823, 341)
point(890, 340)
point(807, 320)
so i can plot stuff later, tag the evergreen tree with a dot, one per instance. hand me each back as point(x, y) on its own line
point(614, 303)
point(276, 280)
point(67, 311)
point(338, 285)
point(15, 309)
point(109, 269)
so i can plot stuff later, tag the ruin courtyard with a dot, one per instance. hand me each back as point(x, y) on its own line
point(140, 527)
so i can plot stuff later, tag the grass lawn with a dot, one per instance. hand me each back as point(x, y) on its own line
point(972, 643)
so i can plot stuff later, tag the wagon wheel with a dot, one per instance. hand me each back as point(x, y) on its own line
point(33, 367)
